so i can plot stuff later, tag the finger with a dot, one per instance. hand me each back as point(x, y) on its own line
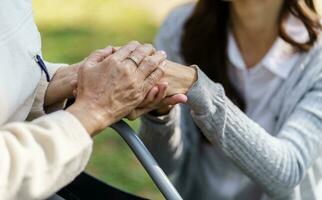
point(115, 49)
point(126, 50)
point(150, 96)
point(141, 52)
point(156, 103)
point(73, 83)
point(163, 91)
point(99, 55)
point(158, 97)
point(154, 77)
point(175, 99)
point(150, 64)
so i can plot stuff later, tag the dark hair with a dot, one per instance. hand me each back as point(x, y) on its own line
point(204, 41)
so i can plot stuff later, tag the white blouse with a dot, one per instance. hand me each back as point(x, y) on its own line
point(259, 84)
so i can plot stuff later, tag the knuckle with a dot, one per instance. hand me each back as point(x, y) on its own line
point(135, 42)
point(162, 54)
point(131, 80)
point(145, 60)
point(149, 46)
point(99, 51)
point(96, 52)
point(151, 62)
point(113, 60)
point(85, 66)
point(108, 47)
point(139, 52)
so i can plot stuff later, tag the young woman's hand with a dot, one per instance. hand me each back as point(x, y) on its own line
point(176, 82)
point(109, 88)
point(179, 77)
point(158, 102)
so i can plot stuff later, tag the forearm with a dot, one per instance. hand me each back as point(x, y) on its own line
point(41, 106)
point(164, 139)
point(40, 157)
point(278, 164)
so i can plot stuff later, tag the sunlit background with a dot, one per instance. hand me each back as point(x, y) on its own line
point(70, 30)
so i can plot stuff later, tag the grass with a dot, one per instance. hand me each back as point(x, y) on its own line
point(70, 30)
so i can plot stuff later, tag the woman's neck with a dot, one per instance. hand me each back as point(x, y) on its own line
point(255, 26)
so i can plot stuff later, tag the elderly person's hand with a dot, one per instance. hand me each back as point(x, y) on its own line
point(176, 82)
point(110, 86)
point(62, 85)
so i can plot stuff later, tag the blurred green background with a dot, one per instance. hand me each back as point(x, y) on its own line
point(70, 30)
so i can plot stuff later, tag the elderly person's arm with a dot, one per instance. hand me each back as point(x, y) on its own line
point(63, 80)
point(40, 157)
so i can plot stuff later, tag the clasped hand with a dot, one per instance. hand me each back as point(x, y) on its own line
point(109, 86)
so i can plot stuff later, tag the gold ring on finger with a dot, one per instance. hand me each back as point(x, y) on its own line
point(134, 60)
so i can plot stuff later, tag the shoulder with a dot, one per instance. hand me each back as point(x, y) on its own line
point(312, 64)
point(315, 54)
point(170, 33)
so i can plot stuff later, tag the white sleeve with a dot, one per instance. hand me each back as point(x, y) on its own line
point(40, 157)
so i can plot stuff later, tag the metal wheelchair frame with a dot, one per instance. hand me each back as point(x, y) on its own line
point(146, 159)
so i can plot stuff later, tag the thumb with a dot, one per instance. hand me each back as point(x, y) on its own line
point(175, 99)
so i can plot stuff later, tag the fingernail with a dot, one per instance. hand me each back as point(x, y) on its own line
point(156, 89)
point(185, 98)
point(164, 53)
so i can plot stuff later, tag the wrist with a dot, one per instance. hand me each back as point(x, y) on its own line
point(61, 86)
point(92, 118)
point(180, 78)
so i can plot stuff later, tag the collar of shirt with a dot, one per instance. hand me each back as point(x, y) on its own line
point(281, 58)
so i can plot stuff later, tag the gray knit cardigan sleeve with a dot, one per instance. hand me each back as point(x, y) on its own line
point(278, 163)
